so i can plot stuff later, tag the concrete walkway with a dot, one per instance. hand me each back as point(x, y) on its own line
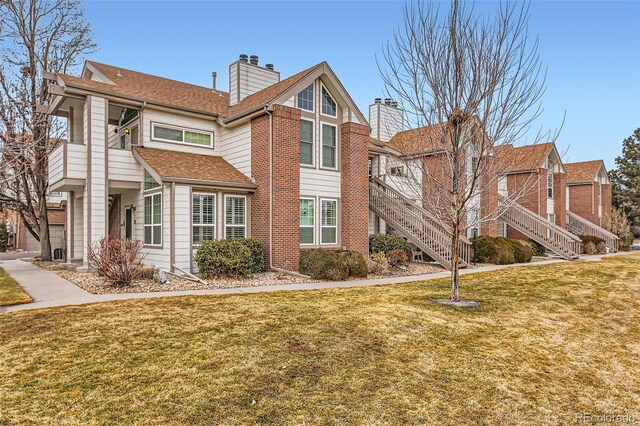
point(48, 290)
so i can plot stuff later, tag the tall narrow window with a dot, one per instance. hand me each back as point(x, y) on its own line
point(203, 217)
point(549, 184)
point(235, 225)
point(305, 98)
point(153, 219)
point(307, 221)
point(306, 142)
point(329, 143)
point(328, 104)
point(149, 181)
point(329, 223)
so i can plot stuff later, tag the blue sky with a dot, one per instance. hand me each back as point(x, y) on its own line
point(591, 50)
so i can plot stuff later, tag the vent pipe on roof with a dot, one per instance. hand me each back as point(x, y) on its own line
point(387, 101)
point(394, 104)
point(377, 100)
point(253, 59)
point(213, 76)
point(244, 58)
point(269, 67)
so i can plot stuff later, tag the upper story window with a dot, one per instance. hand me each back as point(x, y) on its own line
point(305, 98)
point(149, 181)
point(166, 133)
point(549, 184)
point(306, 142)
point(397, 171)
point(329, 146)
point(328, 104)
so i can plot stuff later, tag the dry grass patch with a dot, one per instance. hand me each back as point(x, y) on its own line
point(547, 342)
point(10, 291)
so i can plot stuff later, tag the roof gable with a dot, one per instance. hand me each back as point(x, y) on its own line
point(584, 171)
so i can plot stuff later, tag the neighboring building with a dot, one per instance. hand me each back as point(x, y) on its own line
point(173, 164)
point(21, 239)
point(588, 192)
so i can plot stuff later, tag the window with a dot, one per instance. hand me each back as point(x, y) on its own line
point(134, 135)
point(307, 221)
point(305, 98)
point(329, 151)
point(203, 217)
point(55, 193)
point(172, 134)
point(549, 185)
point(329, 222)
point(397, 171)
point(306, 142)
point(235, 213)
point(149, 181)
point(551, 217)
point(328, 104)
point(153, 219)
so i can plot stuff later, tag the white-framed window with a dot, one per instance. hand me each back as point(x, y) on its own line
point(329, 146)
point(328, 221)
point(153, 219)
point(329, 106)
point(55, 193)
point(149, 181)
point(306, 142)
point(549, 184)
point(305, 98)
point(307, 221)
point(397, 171)
point(203, 217)
point(166, 133)
point(235, 216)
point(551, 217)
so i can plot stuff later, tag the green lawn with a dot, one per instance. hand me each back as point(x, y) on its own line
point(547, 342)
point(10, 291)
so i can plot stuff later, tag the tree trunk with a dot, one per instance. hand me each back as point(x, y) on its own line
point(45, 241)
point(455, 276)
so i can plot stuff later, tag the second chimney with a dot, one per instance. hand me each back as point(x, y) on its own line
point(246, 77)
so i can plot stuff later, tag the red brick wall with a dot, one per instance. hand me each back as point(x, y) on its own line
point(489, 202)
point(355, 187)
point(606, 206)
point(581, 201)
point(530, 191)
point(286, 185)
point(560, 198)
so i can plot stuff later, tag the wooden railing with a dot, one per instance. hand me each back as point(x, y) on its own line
point(539, 229)
point(581, 226)
point(416, 224)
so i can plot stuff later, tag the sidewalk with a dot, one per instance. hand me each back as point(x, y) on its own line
point(48, 290)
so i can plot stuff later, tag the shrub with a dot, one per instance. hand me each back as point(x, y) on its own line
point(601, 247)
point(146, 273)
point(522, 252)
point(397, 257)
point(538, 249)
point(378, 263)
point(4, 235)
point(386, 242)
point(589, 248)
point(332, 265)
point(234, 257)
point(118, 260)
point(502, 251)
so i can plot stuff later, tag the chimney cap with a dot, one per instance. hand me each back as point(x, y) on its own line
point(269, 66)
point(253, 59)
point(244, 57)
point(387, 101)
point(377, 100)
point(394, 104)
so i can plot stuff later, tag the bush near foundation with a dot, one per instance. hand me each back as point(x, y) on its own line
point(118, 260)
point(599, 246)
point(332, 265)
point(397, 257)
point(502, 251)
point(538, 249)
point(385, 243)
point(232, 257)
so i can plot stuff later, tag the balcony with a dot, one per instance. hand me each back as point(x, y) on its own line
point(68, 167)
point(124, 171)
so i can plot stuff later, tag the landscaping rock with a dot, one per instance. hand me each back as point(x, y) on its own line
point(160, 276)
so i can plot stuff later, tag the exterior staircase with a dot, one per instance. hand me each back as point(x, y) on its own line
point(551, 236)
point(580, 226)
point(416, 224)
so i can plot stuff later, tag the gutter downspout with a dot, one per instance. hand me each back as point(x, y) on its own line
point(141, 131)
point(273, 268)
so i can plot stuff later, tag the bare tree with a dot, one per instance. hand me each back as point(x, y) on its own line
point(36, 36)
point(469, 85)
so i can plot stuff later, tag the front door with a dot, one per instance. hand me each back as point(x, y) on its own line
point(128, 222)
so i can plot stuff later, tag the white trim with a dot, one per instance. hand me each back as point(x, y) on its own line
point(321, 145)
point(210, 225)
point(313, 143)
point(313, 100)
point(313, 226)
point(321, 227)
point(183, 129)
point(152, 224)
point(322, 86)
point(227, 225)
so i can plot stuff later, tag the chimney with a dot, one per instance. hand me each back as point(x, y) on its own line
point(214, 75)
point(386, 119)
point(246, 77)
